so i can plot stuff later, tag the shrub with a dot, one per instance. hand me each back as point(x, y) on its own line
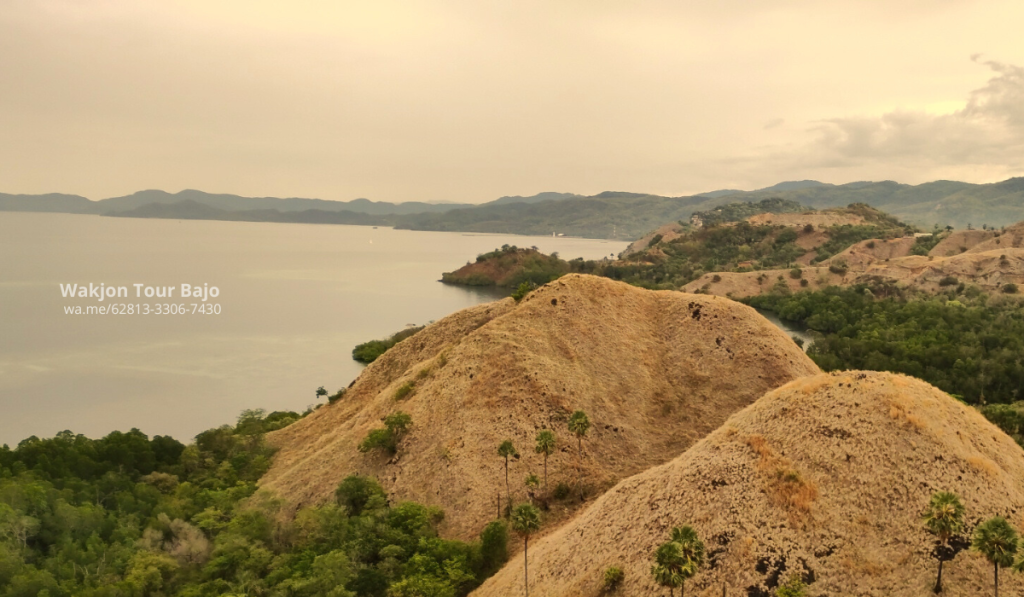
point(336, 396)
point(949, 281)
point(808, 228)
point(404, 390)
point(796, 273)
point(1010, 288)
point(368, 352)
point(493, 547)
point(793, 587)
point(378, 439)
point(870, 245)
point(395, 426)
point(654, 240)
point(524, 289)
point(562, 491)
point(613, 577)
point(355, 492)
point(803, 283)
point(786, 236)
point(716, 278)
point(838, 268)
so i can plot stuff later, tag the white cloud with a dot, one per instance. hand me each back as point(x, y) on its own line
point(988, 132)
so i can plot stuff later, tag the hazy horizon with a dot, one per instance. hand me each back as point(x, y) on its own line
point(461, 102)
point(481, 201)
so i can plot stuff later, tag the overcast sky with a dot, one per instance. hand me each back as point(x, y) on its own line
point(467, 101)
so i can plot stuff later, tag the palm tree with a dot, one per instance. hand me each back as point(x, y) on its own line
point(668, 565)
point(545, 446)
point(692, 550)
point(943, 518)
point(578, 426)
point(525, 522)
point(505, 450)
point(678, 559)
point(996, 539)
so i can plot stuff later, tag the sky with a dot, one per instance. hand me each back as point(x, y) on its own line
point(468, 101)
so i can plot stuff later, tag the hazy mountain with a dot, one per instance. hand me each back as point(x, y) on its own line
point(547, 196)
point(55, 202)
point(238, 203)
point(941, 202)
point(612, 214)
point(193, 210)
point(792, 185)
point(51, 202)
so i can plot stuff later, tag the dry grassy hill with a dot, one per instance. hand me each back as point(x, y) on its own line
point(655, 371)
point(825, 477)
point(986, 258)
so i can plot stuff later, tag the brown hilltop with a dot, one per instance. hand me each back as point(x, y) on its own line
point(826, 476)
point(656, 371)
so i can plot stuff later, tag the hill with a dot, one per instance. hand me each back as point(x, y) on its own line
point(655, 371)
point(508, 267)
point(193, 210)
point(189, 199)
point(992, 260)
point(939, 203)
point(825, 477)
point(228, 202)
point(52, 202)
point(761, 242)
point(546, 196)
point(615, 215)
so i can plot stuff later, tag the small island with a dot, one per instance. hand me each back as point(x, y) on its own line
point(510, 266)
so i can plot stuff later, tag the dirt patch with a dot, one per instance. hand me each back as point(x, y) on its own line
point(668, 232)
point(822, 219)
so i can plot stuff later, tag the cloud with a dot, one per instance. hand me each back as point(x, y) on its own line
point(774, 123)
point(987, 132)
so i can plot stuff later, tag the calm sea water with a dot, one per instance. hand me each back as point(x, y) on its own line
point(294, 300)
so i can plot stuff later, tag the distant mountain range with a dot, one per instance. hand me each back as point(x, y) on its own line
point(77, 204)
point(612, 214)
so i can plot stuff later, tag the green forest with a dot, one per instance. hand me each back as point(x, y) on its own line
point(128, 515)
point(964, 342)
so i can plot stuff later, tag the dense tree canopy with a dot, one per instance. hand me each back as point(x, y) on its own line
point(966, 344)
point(127, 515)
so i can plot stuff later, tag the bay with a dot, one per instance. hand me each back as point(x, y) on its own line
point(294, 300)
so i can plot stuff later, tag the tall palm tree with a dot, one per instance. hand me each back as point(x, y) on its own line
point(943, 518)
point(525, 522)
point(579, 423)
point(505, 450)
point(996, 539)
point(545, 446)
point(668, 565)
